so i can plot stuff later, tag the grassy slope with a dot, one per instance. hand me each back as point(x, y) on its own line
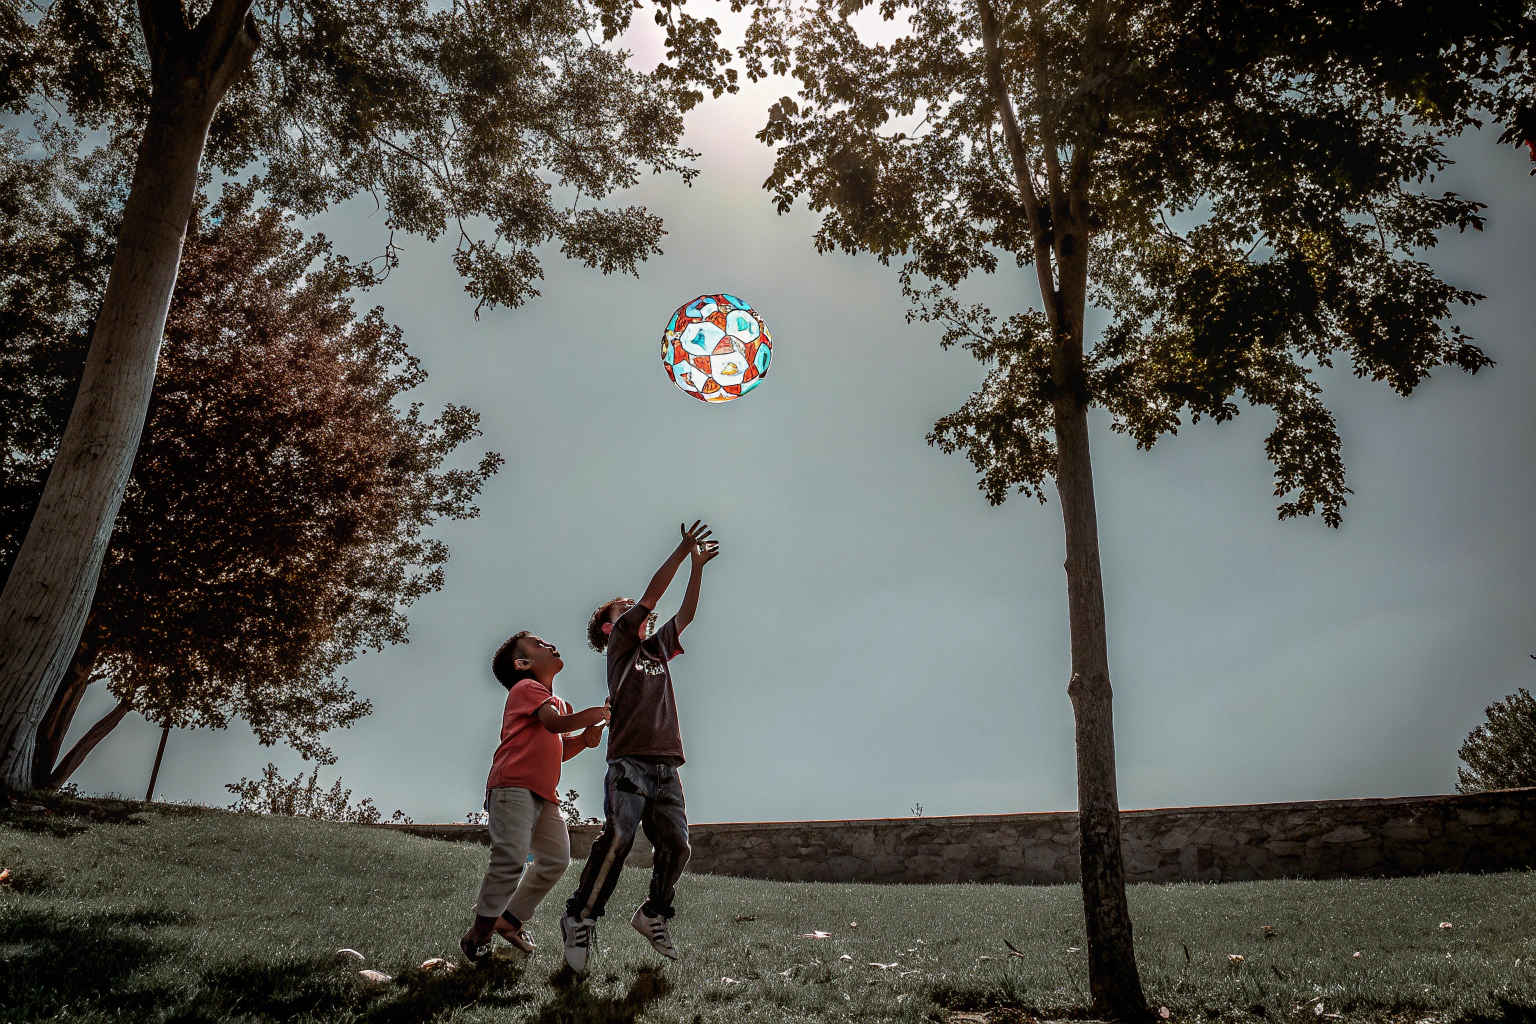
point(202, 915)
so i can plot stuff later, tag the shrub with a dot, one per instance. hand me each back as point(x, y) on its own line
point(303, 798)
point(1501, 753)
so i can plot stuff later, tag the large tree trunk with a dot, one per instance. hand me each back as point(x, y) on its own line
point(53, 580)
point(61, 712)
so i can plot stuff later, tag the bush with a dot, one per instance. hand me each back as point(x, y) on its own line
point(303, 798)
point(1501, 753)
point(572, 812)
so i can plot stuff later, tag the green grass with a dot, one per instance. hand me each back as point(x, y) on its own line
point(191, 915)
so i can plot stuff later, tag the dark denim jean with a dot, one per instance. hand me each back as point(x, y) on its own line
point(636, 795)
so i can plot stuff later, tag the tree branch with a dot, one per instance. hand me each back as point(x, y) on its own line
point(224, 18)
point(164, 23)
point(1019, 155)
point(87, 743)
point(233, 36)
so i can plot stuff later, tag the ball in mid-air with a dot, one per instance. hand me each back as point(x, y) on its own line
point(716, 348)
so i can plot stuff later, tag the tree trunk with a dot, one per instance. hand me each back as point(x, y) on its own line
point(66, 701)
point(87, 743)
point(154, 774)
point(53, 580)
point(1113, 978)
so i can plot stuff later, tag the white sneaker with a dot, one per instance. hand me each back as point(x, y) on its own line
point(655, 931)
point(518, 937)
point(579, 933)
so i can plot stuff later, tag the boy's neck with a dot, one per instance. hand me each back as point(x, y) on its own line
point(548, 684)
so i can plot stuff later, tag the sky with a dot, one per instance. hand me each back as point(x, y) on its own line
point(874, 637)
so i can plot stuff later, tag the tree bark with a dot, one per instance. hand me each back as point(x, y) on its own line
point(87, 743)
point(48, 595)
point(66, 702)
point(1113, 978)
point(1114, 981)
point(154, 773)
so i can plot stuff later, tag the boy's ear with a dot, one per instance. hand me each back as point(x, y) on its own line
point(521, 663)
point(607, 628)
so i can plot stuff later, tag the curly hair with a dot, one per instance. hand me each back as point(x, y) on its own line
point(596, 638)
point(506, 673)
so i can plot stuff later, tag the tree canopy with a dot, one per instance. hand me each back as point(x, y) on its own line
point(273, 526)
point(498, 124)
point(1256, 187)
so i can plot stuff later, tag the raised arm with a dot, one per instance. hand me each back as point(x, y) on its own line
point(702, 552)
point(692, 537)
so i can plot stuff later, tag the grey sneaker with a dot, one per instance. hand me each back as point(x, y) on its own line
point(579, 933)
point(655, 931)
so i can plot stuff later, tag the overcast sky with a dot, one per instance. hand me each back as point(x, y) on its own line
point(874, 635)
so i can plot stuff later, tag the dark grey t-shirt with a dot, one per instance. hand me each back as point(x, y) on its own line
point(644, 711)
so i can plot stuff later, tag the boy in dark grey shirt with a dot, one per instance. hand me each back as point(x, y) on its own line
point(645, 749)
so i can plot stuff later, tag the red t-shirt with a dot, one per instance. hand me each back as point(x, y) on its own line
point(529, 755)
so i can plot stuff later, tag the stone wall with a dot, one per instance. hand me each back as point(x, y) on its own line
point(1312, 839)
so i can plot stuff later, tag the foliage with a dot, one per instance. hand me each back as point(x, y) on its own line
point(1501, 753)
point(217, 916)
point(1245, 190)
point(303, 798)
point(273, 527)
point(58, 219)
point(497, 122)
point(572, 812)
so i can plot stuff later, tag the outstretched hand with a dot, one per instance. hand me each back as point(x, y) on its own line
point(695, 535)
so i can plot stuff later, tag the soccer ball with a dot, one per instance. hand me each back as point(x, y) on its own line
point(716, 348)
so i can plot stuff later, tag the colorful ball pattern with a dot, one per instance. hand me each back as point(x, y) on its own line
point(716, 348)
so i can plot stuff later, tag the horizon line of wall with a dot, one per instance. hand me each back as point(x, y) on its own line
point(1382, 837)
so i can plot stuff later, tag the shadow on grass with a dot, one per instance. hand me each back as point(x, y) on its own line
point(284, 990)
point(574, 1002)
point(50, 961)
point(1003, 1005)
point(427, 995)
point(52, 964)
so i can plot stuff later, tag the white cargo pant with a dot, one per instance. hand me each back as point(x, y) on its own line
point(519, 822)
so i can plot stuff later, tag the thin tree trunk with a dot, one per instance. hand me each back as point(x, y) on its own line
point(1059, 225)
point(66, 702)
point(154, 774)
point(87, 743)
point(53, 580)
point(1113, 978)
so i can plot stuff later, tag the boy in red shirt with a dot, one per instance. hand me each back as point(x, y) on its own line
point(522, 800)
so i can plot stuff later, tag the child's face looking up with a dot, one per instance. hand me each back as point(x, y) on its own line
point(539, 657)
